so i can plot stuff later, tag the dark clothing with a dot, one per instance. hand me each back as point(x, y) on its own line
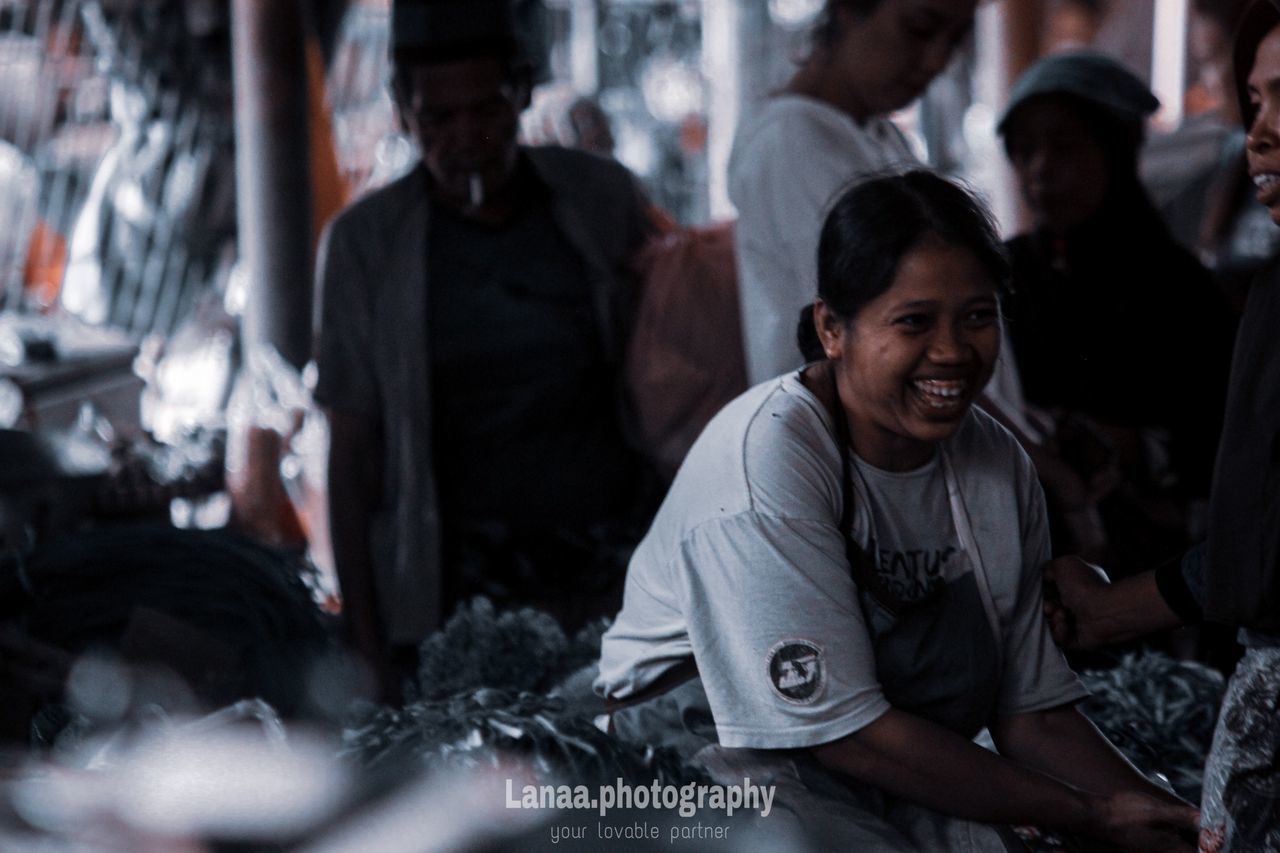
point(374, 348)
point(1122, 325)
point(1181, 583)
point(525, 404)
point(1243, 582)
point(1233, 577)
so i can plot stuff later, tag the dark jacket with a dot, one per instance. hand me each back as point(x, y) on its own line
point(373, 351)
point(1125, 326)
point(1242, 586)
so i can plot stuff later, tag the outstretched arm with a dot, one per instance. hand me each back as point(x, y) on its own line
point(918, 760)
point(1064, 744)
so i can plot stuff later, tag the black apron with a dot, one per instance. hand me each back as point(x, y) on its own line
point(939, 658)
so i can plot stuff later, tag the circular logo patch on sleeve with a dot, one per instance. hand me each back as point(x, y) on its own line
point(795, 670)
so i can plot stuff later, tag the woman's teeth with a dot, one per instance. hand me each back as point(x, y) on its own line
point(1266, 180)
point(940, 393)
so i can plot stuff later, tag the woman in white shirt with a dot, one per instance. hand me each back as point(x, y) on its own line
point(828, 126)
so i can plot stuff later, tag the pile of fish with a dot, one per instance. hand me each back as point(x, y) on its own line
point(1160, 713)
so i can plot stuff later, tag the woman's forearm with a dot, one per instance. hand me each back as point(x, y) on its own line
point(1064, 744)
point(912, 758)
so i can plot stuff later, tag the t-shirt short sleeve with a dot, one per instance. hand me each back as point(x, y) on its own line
point(1037, 676)
point(780, 643)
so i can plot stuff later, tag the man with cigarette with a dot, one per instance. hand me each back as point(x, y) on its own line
point(472, 319)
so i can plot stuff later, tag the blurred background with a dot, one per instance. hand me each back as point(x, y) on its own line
point(166, 167)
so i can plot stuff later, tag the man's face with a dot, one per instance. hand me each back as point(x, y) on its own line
point(464, 116)
point(1264, 133)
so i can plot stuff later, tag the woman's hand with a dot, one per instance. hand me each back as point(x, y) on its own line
point(1138, 822)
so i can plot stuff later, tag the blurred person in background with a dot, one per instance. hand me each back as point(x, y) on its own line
point(827, 126)
point(1119, 333)
point(472, 323)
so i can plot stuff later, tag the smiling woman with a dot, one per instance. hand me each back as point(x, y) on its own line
point(1263, 110)
point(842, 586)
point(908, 277)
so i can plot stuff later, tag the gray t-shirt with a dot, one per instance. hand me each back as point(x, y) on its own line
point(912, 538)
point(745, 569)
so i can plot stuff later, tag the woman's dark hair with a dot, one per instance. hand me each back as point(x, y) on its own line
point(873, 225)
point(826, 32)
point(1255, 25)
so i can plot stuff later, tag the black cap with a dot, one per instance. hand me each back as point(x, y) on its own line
point(1086, 75)
point(453, 27)
point(1261, 18)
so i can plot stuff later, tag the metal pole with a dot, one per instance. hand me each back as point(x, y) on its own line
point(1169, 60)
point(273, 173)
point(721, 61)
point(1023, 23)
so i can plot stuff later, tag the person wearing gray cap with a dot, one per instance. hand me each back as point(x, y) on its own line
point(1119, 333)
point(472, 319)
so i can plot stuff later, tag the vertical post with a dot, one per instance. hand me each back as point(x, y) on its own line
point(989, 169)
point(1021, 30)
point(1023, 26)
point(1169, 60)
point(273, 174)
point(584, 70)
point(721, 59)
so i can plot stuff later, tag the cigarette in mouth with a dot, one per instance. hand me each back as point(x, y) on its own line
point(476, 186)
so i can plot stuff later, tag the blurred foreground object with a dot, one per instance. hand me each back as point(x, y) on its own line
point(227, 616)
point(51, 366)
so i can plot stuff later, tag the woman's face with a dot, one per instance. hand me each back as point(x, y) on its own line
point(886, 60)
point(1264, 136)
point(916, 357)
point(1060, 164)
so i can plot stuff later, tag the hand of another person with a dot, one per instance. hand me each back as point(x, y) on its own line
point(1085, 611)
point(1073, 594)
point(1140, 823)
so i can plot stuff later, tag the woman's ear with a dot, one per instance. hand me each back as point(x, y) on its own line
point(831, 329)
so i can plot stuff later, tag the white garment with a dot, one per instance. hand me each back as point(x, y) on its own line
point(790, 161)
point(745, 559)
